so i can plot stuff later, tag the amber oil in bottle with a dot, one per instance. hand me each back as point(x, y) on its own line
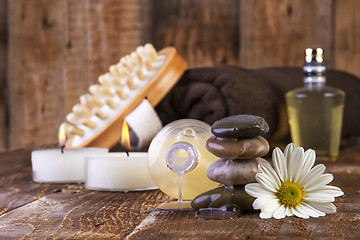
point(315, 111)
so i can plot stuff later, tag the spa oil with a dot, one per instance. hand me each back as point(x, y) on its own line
point(315, 111)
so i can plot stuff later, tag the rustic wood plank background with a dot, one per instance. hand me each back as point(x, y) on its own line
point(3, 96)
point(30, 210)
point(64, 211)
point(51, 51)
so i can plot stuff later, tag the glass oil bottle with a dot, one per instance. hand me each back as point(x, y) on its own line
point(315, 111)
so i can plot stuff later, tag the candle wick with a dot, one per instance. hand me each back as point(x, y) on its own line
point(127, 152)
point(62, 149)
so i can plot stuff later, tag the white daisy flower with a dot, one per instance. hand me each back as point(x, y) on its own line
point(293, 187)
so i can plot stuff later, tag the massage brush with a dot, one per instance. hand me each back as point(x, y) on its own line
point(97, 119)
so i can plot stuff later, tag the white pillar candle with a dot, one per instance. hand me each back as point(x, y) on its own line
point(145, 123)
point(55, 166)
point(118, 172)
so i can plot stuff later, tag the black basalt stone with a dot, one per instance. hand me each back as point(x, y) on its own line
point(240, 126)
point(223, 196)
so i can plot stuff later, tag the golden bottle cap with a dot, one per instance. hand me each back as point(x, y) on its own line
point(314, 55)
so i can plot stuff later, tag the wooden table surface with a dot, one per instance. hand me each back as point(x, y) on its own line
point(30, 210)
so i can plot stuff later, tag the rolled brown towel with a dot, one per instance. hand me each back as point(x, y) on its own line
point(211, 93)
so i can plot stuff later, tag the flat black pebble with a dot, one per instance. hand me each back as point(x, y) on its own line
point(222, 196)
point(240, 126)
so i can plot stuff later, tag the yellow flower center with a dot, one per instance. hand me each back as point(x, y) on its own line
point(290, 194)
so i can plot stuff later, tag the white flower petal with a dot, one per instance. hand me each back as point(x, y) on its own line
point(297, 212)
point(268, 170)
point(265, 203)
point(295, 159)
point(260, 202)
point(318, 212)
point(319, 182)
point(268, 213)
point(318, 197)
point(266, 182)
point(289, 149)
point(297, 168)
point(256, 190)
point(314, 173)
point(288, 152)
point(280, 212)
point(327, 208)
point(309, 160)
point(310, 211)
point(279, 162)
point(332, 190)
point(289, 212)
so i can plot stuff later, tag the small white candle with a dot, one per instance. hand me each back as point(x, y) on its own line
point(55, 166)
point(118, 172)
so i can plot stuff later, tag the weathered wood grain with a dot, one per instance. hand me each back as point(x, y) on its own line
point(3, 95)
point(342, 225)
point(36, 70)
point(276, 33)
point(76, 213)
point(99, 34)
point(57, 49)
point(30, 210)
point(16, 186)
point(346, 36)
point(206, 33)
point(177, 225)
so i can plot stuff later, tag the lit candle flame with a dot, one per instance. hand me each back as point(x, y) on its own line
point(62, 136)
point(125, 138)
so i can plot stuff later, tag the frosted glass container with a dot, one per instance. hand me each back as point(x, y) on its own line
point(194, 133)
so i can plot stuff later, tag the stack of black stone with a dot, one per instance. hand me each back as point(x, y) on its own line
point(239, 144)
